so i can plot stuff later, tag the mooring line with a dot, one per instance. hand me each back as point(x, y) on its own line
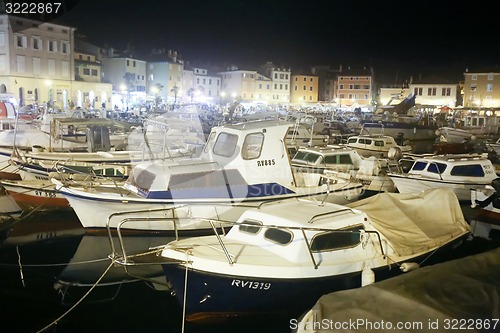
point(79, 301)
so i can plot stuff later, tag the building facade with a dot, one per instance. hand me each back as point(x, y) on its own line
point(36, 61)
point(280, 85)
point(354, 89)
point(481, 88)
point(127, 76)
point(304, 89)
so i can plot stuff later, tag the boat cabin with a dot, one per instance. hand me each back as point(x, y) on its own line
point(242, 160)
point(328, 229)
point(330, 157)
point(375, 145)
point(455, 167)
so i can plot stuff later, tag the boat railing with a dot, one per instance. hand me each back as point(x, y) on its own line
point(339, 211)
point(371, 127)
point(126, 259)
point(303, 230)
point(175, 219)
point(402, 166)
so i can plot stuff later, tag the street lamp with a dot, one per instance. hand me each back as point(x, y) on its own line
point(155, 91)
point(124, 91)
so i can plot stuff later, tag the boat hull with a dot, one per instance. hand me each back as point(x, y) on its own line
point(209, 295)
point(37, 197)
point(406, 184)
point(412, 132)
point(115, 211)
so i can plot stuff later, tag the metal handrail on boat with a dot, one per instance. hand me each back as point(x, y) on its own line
point(332, 212)
point(368, 132)
point(140, 211)
point(302, 229)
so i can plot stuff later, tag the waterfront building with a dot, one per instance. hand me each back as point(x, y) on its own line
point(165, 74)
point(200, 86)
point(280, 83)
point(482, 88)
point(127, 74)
point(355, 89)
point(304, 89)
point(36, 62)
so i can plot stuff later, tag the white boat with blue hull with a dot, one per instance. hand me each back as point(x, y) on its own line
point(241, 165)
point(283, 256)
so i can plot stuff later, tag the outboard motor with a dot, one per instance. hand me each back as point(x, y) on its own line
point(495, 183)
point(395, 153)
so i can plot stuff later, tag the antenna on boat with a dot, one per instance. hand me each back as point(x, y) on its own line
point(15, 151)
point(327, 191)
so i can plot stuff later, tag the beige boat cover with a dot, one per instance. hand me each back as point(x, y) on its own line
point(413, 222)
point(461, 295)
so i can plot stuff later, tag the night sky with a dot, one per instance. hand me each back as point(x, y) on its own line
point(396, 38)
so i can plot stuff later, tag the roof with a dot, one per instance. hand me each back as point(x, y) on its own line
point(298, 213)
point(256, 124)
point(454, 158)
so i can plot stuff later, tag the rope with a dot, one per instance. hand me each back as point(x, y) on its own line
point(185, 293)
point(59, 264)
point(79, 301)
point(20, 266)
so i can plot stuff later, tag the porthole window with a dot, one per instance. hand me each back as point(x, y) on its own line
point(336, 240)
point(250, 227)
point(278, 236)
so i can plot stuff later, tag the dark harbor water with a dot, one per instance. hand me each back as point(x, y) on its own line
point(49, 269)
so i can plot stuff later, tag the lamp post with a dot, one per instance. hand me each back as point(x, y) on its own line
point(124, 91)
point(154, 91)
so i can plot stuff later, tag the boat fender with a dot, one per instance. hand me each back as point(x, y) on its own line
point(409, 266)
point(367, 276)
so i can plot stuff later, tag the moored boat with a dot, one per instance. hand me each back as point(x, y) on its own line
point(486, 205)
point(346, 163)
point(294, 250)
point(378, 145)
point(241, 164)
point(458, 172)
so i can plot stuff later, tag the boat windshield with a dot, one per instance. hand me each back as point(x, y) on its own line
point(306, 157)
point(252, 146)
point(225, 145)
point(436, 167)
point(474, 170)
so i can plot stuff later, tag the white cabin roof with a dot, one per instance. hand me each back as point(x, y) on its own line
point(305, 213)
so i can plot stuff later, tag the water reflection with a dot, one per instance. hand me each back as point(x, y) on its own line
point(53, 281)
point(50, 269)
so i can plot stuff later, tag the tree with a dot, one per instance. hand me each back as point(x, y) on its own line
point(190, 93)
point(175, 90)
point(157, 88)
point(129, 84)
